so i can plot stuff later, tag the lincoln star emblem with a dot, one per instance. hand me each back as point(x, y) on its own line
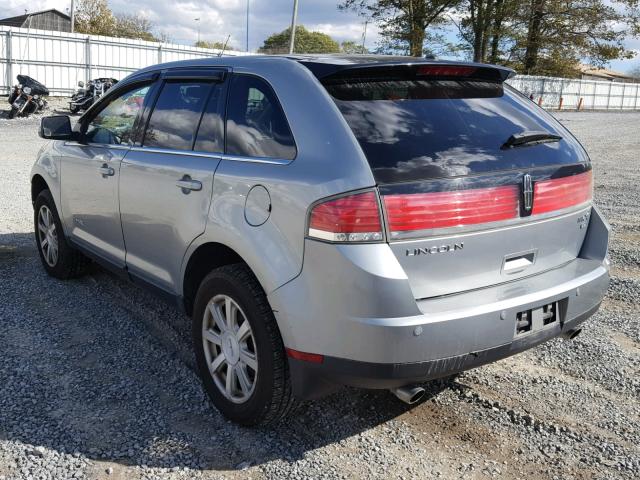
point(527, 192)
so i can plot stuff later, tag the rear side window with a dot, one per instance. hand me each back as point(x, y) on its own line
point(176, 115)
point(256, 125)
point(425, 128)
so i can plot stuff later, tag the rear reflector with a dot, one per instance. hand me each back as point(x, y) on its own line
point(560, 193)
point(427, 211)
point(354, 218)
point(304, 356)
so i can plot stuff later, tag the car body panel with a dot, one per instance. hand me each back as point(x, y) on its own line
point(159, 218)
point(89, 199)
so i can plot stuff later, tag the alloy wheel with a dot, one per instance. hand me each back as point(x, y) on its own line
point(48, 236)
point(230, 349)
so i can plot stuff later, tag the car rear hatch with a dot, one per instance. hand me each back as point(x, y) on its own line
point(478, 185)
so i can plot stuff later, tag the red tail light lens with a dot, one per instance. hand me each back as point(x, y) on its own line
point(427, 211)
point(446, 70)
point(355, 218)
point(559, 193)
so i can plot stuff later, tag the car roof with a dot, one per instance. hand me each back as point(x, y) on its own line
point(322, 65)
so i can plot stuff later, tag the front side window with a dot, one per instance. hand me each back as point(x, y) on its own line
point(113, 125)
point(176, 115)
point(256, 125)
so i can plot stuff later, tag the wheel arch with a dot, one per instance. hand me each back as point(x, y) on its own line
point(38, 184)
point(201, 261)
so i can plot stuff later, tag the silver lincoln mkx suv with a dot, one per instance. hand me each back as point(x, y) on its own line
point(341, 220)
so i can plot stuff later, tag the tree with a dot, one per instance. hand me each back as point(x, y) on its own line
point(483, 26)
point(635, 71)
point(560, 33)
point(351, 47)
point(403, 23)
point(133, 26)
point(214, 45)
point(94, 17)
point(305, 42)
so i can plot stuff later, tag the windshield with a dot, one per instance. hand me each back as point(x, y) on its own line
point(414, 129)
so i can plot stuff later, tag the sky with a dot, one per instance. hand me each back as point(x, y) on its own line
point(219, 18)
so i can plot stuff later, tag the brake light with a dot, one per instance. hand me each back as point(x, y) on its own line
point(427, 211)
point(354, 218)
point(559, 193)
point(446, 70)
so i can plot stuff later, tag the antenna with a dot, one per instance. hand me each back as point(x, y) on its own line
point(224, 47)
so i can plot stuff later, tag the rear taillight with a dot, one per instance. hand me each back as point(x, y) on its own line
point(428, 211)
point(353, 218)
point(560, 193)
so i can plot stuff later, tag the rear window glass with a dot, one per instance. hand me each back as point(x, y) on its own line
point(256, 125)
point(415, 129)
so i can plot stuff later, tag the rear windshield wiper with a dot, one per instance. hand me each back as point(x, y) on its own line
point(530, 138)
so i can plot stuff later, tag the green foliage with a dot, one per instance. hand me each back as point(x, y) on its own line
point(403, 23)
point(304, 42)
point(94, 17)
point(214, 45)
point(133, 26)
point(351, 47)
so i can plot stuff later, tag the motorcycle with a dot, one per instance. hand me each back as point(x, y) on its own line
point(85, 97)
point(26, 97)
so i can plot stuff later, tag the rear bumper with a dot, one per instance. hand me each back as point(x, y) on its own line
point(357, 315)
point(315, 380)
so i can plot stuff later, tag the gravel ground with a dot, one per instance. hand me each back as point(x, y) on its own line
point(97, 379)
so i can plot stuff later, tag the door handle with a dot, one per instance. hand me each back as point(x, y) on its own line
point(106, 171)
point(186, 184)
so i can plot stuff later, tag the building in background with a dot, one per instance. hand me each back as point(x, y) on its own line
point(45, 20)
point(588, 72)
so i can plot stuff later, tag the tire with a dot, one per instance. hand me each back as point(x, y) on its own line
point(267, 397)
point(63, 262)
point(13, 112)
point(74, 109)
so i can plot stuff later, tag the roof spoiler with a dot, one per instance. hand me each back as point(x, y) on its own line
point(412, 68)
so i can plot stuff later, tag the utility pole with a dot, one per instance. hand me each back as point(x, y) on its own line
point(294, 17)
point(364, 36)
point(73, 16)
point(198, 20)
point(247, 26)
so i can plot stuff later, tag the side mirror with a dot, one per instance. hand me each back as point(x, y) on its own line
point(56, 127)
point(81, 84)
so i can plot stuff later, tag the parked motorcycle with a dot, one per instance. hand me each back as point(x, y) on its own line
point(26, 97)
point(86, 96)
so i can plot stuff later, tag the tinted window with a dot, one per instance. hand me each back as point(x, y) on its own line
point(176, 115)
point(256, 125)
point(114, 123)
point(414, 129)
point(211, 132)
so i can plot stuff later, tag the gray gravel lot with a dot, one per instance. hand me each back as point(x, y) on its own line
point(97, 381)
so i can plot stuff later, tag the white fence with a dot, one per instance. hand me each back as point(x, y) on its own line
point(60, 59)
point(569, 94)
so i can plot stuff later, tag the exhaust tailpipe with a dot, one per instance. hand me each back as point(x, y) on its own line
point(571, 334)
point(409, 394)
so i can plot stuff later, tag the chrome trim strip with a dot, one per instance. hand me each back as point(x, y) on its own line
point(240, 158)
point(222, 156)
point(98, 145)
point(418, 235)
point(183, 153)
